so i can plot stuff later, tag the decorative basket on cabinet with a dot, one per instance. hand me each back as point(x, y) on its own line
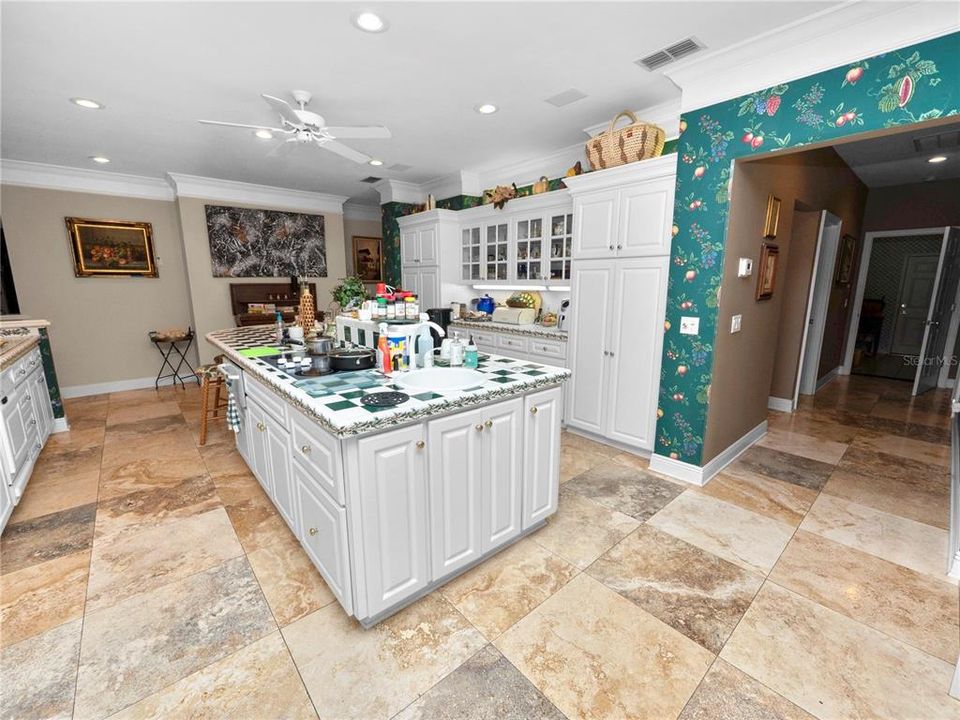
point(636, 141)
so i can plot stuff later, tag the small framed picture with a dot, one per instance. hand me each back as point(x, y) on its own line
point(368, 258)
point(767, 275)
point(848, 253)
point(103, 248)
point(773, 217)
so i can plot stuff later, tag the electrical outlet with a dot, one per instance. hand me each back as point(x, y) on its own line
point(735, 323)
point(689, 326)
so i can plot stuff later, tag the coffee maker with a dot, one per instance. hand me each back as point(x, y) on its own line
point(442, 317)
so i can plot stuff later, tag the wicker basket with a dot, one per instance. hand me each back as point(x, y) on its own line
point(636, 141)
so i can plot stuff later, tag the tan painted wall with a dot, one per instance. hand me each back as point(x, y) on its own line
point(210, 296)
point(99, 325)
point(918, 205)
point(363, 228)
point(745, 363)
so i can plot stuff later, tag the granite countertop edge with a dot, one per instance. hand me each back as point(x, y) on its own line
point(538, 331)
point(17, 349)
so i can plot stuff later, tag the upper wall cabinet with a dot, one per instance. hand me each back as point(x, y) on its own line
point(625, 211)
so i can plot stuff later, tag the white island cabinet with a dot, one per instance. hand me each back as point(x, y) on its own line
point(391, 504)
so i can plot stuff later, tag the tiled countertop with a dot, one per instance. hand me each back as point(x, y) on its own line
point(538, 331)
point(337, 407)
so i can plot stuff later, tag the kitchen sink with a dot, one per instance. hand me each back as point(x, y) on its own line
point(438, 378)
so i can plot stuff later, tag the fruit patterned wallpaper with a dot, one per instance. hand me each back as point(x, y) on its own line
point(908, 86)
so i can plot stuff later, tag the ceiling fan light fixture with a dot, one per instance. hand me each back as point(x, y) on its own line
point(370, 22)
point(100, 159)
point(264, 134)
point(87, 103)
point(486, 108)
point(376, 163)
point(937, 159)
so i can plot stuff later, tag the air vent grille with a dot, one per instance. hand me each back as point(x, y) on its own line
point(937, 142)
point(681, 49)
point(566, 97)
point(400, 167)
point(371, 179)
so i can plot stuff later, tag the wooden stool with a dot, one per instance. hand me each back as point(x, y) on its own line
point(210, 377)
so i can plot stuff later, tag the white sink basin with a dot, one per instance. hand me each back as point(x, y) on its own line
point(438, 378)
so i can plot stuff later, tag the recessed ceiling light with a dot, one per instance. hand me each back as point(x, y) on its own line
point(370, 22)
point(87, 103)
point(937, 159)
point(100, 159)
point(486, 109)
point(264, 134)
point(376, 163)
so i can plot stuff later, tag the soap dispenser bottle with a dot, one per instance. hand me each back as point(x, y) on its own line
point(456, 351)
point(471, 357)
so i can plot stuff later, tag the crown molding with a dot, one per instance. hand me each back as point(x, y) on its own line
point(353, 211)
point(399, 191)
point(99, 182)
point(247, 193)
point(814, 44)
point(666, 115)
point(458, 183)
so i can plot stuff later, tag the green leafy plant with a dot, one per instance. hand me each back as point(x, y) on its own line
point(349, 292)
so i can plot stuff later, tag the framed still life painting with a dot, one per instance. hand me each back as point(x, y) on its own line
point(772, 219)
point(848, 251)
point(368, 258)
point(103, 248)
point(767, 275)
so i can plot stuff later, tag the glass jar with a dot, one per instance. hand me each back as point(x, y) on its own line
point(412, 308)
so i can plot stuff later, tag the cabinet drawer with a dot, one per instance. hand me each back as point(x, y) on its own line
point(483, 338)
point(319, 453)
point(267, 399)
point(17, 372)
point(512, 342)
point(550, 348)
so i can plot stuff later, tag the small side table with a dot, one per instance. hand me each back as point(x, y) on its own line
point(174, 347)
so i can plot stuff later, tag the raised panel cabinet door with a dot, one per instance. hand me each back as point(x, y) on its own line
point(541, 455)
point(637, 341)
point(258, 445)
point(393, 516)
point(410, 278)
point(454, 447)
point(595, 225)
point(587, 351)
point(428, 291)
point(409, 247)
point(646, 216)
point(502, 497)
point(243, 436)
point(278, 453)
point(429, 252)
point(41, 405)
point(324, 534)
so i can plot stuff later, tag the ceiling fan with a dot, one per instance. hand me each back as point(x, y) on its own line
point(303, 127)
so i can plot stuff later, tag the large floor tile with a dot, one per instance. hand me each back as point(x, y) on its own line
point(42, 596)
point(485, 687)
point(175, 447)
point(500, 591)
point(60, 480)
point(574, 461)
point(142, 644)
point(807, 446)
point(636, 493)
point(813, 424)
point(46, 537)
point(292, 585)
point(258, 681)
point(149, 472)
point(582, 530)
point(906, 542)
point(834, 667)
point(904, 447)
point(130, 410)
point(595, 654)
point(574, 441)
point(783, 466)
point(129, 563)
point(693, 591)
point(355, 673)
point(40, 674)
point(903, 603)
point(257, 523)
point(779, 500)
point(910, 413)
point(752, 541)
point(729, 694)
point(139, 510)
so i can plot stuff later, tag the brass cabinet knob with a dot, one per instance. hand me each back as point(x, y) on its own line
point(479, 427)
point(312, 531)
point(533, 410)
point(305, 449)
point(261, 427)
point(489, 423)
point(420, 444)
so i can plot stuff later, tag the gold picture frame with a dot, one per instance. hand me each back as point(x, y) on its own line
point(848, 251)
point(772, 220)
point(767, 270)
point(368, 258)
point(111, 248)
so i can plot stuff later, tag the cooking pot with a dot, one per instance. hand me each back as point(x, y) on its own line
point(352, 359)
point(319, 345)
point(486, 305)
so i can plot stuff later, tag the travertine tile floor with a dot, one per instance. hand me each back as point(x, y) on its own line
point(143, 576)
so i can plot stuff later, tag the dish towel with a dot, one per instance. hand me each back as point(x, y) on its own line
point(233, 407)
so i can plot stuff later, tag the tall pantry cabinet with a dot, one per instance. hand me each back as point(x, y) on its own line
point(429, 243)
point(621, 255)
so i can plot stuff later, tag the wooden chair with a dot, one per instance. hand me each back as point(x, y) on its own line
point(210, 377)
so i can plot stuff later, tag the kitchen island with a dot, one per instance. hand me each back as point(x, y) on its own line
point(390, 503)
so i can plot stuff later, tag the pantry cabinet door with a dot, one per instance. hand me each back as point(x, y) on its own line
point(454, 450)
point(409, 247)
point(258, 445)
point(636, 344)
point(590, 303)
point(278, 454)
point(646, 216)
point(393, 516)
point(429, 252)
point(595, 225)
point(502, 496)
point(428, 291)
point(541, 455)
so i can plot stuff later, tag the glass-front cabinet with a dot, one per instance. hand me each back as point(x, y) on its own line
point(497, 251)
point(561, 246)
point(529, 263)
point(471, 267)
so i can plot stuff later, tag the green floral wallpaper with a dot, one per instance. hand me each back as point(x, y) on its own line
point(904, 87)
point(389, 212)
point(50, 372)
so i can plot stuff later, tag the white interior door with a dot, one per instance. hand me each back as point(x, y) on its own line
point(933, 349)
point(818, 299)
point(913, 306)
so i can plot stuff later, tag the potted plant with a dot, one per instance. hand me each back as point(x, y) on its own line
point(349, 293)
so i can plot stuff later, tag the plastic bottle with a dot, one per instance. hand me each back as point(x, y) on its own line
point(383, 351)
point(424, 342)
point(471, 358)
point(279, 333)
point(456, 350)
point(412, 309)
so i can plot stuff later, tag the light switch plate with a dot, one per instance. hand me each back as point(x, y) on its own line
point(745, 268)
point(689, 326)
point(735, 322)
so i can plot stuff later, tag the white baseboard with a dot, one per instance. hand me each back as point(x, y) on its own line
point(780, 404)
point(60, 425)
point(829, 377)
point(698, 475)
point(607, 441)
point(108, 387)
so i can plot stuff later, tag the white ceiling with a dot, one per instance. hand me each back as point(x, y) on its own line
point(896, 160)
point(159, 67)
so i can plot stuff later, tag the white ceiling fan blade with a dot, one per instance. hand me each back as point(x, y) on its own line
point(282, 107)
point(241, 125)
point(344, 151)
point(375, 132)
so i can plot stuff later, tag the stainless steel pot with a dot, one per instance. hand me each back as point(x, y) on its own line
point(319, 345)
